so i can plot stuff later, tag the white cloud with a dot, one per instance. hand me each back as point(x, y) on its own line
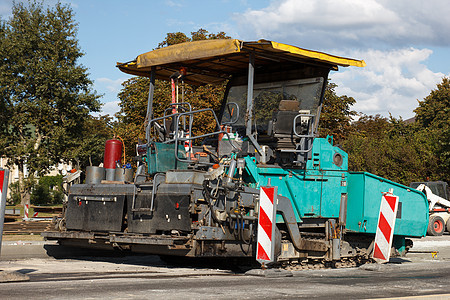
point(351, 22)
point(109, 88)
point(393, 37)
point(5, 9)
point(112, 85)
point(110, 108)
point(174, 3)
point(392, 82)
point(172, 22)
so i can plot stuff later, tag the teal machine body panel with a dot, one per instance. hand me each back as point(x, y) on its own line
point(319, 190)
point(161, 158)
point(364, 196)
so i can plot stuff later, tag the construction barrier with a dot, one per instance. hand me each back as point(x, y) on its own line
point(266, 225)
point(4, 176)
point(385, 227)
point(26, 212)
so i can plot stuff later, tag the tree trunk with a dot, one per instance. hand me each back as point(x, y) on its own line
point(38, 141)
point(24, 190)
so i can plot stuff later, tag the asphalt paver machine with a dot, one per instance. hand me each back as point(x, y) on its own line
point(199, 195)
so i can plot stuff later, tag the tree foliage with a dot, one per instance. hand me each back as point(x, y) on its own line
point(46, 94)
point(336, 116)
point(201, 34)
point(88, 148)
point(389, 148)
point(48, 190)
point(433, 119)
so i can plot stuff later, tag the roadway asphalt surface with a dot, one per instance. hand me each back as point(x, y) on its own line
point(419, 275)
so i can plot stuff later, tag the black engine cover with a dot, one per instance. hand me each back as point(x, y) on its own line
point(96, 207)
point(171, 210)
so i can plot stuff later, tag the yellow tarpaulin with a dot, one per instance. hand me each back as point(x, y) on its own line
point(187, 52)
point(212, 61)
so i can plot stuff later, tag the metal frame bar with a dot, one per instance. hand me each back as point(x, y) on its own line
point(251, 74)
point(184, 139)
point(319, 108)
point(151, 91)
point(171, 116)
point(310, 130)
point(249, 114)
point(237, 114)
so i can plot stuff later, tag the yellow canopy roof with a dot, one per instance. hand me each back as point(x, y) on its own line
point(212, 61)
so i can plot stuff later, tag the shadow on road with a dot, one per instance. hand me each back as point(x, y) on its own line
point(236, 265)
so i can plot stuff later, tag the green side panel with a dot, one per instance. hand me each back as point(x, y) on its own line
point(332, 190)
point(326, 157)
point(161, 158)
point(314, 192)
point(364, 200)
point(329, 166)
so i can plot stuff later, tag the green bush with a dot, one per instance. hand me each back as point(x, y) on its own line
point(48, 191)
point(14, 197)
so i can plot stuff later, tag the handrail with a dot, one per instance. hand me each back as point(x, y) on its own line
point(305, 137)
point(309, 129)
point(231, 118)
point(149, 125)
point(178, 138)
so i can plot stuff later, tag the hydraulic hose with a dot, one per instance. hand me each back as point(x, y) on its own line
point(207, 195)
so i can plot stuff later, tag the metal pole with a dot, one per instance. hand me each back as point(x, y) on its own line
point(4, 176)
point(151, 91)
point(249, 115)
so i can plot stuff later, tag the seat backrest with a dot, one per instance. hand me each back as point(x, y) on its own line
point(289, 105)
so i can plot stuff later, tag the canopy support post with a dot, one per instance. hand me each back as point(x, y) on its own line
point(151, 91)
point(251, 74)
point(249, 115)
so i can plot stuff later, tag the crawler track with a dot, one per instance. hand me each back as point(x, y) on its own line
point(320, 264)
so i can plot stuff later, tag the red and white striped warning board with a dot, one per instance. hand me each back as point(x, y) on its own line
point(385, 227)
point(2, 179)
point(26, 210)
point(266, 224)
point(26, 213)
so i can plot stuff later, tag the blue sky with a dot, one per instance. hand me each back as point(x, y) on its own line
point(405, 43)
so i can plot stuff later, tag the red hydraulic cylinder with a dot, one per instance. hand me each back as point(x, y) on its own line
point(113, 152)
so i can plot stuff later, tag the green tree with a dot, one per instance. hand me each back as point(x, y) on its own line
point(48, 190)
point(388, 148)
point(201, 34)
point(433, 118)
point(88, 148)
point(46, 94)
point(336, 116)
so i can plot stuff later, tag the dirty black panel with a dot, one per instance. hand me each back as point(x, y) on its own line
point(89, 213)
point(94, 215)
point(171, 210)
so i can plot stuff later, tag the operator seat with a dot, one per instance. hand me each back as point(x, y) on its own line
point(282, 123)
